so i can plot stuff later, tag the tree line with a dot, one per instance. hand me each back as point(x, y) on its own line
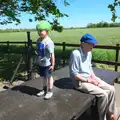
point(16, 30)
point(90, 25)
point(11, 10)
point(103, 24)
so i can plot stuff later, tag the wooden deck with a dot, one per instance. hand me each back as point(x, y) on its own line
point(21, 102)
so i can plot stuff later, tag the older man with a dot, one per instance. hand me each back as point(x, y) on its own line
point(85, 80)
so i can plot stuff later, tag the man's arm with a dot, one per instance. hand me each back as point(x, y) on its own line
point(74, 67)
point(81, 78)
point(92, 74)
point(93, 78)
point(74, 70)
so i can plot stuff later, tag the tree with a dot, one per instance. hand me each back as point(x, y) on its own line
point(113, 9)
point(11, 10)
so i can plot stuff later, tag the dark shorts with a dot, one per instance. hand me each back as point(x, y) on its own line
point(44, 71)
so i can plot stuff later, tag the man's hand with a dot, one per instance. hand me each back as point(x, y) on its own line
point(93, 81)
point(92, 75)
point(51, 68)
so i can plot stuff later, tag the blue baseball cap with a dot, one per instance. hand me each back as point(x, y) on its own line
point(87, 38)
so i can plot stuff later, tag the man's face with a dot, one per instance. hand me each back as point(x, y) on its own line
point(87, 47)
point(42, 33)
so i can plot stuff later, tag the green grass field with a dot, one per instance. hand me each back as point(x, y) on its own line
point(106, 36)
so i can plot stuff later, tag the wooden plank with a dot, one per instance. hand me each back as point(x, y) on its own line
point(21, 102)
point(108, 76)
point(107, 62)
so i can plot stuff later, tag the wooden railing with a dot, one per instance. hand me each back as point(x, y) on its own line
point(29, 49)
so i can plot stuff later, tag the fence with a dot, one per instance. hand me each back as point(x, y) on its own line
point(28, 45)
point(116, 48)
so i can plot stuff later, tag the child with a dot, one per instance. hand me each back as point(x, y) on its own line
point(46, 58)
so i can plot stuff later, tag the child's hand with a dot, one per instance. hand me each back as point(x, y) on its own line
point(51, 68)
point(35, 52)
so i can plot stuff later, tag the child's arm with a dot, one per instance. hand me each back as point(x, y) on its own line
point(50, 47)
point(36, 52)
point(52, 61)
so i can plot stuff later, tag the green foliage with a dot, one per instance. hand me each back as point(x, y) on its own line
point(112, 8)
point(104, 55)
point(8, 63)
point(102, 24)
point(11, 10)
point(56, 26)
point(15, 30)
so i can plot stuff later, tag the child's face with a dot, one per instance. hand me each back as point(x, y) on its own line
point(42, 33)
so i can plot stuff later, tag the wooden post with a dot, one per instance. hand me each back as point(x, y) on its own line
point(26, 56)
point(8, 46)
point(29, 57)
point(8, 50)
point(16, 70)
point(63, 54)
point(117, 56)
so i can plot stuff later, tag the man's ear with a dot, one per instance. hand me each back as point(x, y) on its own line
point(82, 43)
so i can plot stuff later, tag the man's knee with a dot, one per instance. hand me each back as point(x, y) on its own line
point(112, 89)
point(104, 96)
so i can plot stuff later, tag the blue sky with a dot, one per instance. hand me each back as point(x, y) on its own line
point(81, 12)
